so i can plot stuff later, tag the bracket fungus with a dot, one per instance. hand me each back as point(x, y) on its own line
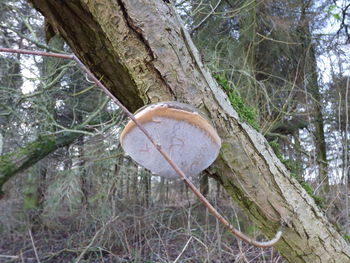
point(183, 132)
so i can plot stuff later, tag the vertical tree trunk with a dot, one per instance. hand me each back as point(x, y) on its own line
point(321, 149)
point(120, 177)
point(218, 187)
point(146, 188)
point(298, 159)
point(247, 39)
point(130, 173)
point(35, 189)
point(84, 183)
point(128, 185)
point(309, 63)
point(167, 192)
point(204, 184)
point(135, 189)
point(161, 198)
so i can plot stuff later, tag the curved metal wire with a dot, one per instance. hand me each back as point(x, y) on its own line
point(181, 174)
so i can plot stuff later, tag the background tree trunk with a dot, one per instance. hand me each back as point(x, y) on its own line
point(309, 68)
point(204, 184)
point(142, 53)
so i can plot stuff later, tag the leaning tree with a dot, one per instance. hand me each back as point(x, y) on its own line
point(143, 54)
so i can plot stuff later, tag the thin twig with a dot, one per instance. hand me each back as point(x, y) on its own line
point(9, 256)
point(94, 238)
point(36, 53)
point(34, 248)
point(205, 18)
point(166, 156)
point(183, 250)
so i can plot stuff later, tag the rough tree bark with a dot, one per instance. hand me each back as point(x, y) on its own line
point(142, 53)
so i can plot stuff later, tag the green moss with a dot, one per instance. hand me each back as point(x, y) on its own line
point(25, 157)
point(290, 166)
point(308, 188)
point(277, 149)
point(245, 113)
point(7, 167)
point(30, 195)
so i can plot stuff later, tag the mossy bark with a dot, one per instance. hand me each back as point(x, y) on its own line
point(142, 53)
point(23, 158)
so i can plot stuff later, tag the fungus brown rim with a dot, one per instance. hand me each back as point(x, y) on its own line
point(194, 118)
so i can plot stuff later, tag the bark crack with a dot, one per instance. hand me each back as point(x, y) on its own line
point(138, 33)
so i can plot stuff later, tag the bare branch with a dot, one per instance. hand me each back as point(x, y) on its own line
point(205, 18)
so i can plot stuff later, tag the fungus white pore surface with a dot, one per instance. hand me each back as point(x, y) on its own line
point(189, 146)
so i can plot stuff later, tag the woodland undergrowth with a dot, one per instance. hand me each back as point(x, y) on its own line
point(123, 230)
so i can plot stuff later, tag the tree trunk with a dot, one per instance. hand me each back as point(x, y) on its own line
point(120, 178)
point(51, 75)
point(309, 64)
point(143, 54)
point(204, 184)
point(161, 197)
point(146, 188)
point(318, 121)
point(135, 187)
point(83, 176)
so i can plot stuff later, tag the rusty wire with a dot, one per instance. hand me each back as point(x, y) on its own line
point(181, 174)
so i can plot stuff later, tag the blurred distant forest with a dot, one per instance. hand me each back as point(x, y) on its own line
point(77, 197)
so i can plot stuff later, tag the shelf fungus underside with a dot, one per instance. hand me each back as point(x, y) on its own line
point(189, 139)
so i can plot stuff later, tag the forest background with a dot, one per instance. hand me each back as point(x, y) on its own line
point(285, 68)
